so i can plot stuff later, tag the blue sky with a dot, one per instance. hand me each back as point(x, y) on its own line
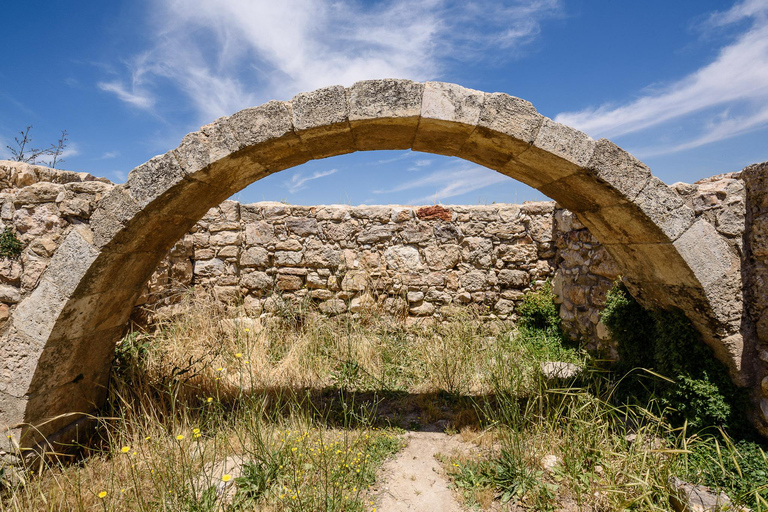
point(683, 85)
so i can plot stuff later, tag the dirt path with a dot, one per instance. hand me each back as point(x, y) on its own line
point(414, 480)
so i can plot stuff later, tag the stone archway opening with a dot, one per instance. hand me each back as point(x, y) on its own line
point(60, 339)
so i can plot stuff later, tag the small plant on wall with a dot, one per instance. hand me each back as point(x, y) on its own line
point(10, 245)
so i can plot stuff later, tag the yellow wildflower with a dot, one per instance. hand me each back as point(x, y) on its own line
point(102, 494)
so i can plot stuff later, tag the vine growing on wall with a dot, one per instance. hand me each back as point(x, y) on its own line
point(10, 245)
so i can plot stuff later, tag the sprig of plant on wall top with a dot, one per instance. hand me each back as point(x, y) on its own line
point(24, 152)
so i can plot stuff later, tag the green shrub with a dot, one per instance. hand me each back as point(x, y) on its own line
point(539, 311)
point(665, 342)
point(739, 469)
point(10, 245)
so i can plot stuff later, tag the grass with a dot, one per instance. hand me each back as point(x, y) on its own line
point(210, 410)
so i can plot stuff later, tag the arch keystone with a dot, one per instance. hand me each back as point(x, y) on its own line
point(384, 113)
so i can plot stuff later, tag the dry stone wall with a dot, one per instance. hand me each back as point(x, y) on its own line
point(411, 260)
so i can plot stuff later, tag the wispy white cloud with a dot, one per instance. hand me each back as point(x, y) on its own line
point(420, 164)
point(135, 96)
point(402, 156)
point(109, 155)
point(449, 182)
point(299, 180)
point(72, 149)
point(230, 54)
point(733, 88)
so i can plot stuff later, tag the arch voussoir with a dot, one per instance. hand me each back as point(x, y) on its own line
point(321, 120)
point(507, 126)
point(449, 115)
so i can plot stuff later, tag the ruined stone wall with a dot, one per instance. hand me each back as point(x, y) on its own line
point(411, 260)
point(40, 205)
point(755, 272)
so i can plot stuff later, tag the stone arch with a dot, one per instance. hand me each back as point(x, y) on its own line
point(61, 338)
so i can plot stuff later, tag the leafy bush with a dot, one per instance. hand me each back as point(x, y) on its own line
point(739, 469)
point(10, 245)
point(665, 342)
point(539, 311)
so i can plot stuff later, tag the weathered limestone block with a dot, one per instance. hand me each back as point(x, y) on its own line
point(255, 257)
point(447, 233)
point(335, 213)
point(665, 208)
point(287, 282)
point(402, 257)
point(423, 309)
point(381, 214)
point(10, 272)
point(321, 120)
point(39, 220)
point(384, 114)
point(38, 193)
point(333, 307)
point(477, 251)
point(558, 148)
point(258, 281)
point(415, 296)
point(268, 131)
point(622, 171)
point(514, 278)
point(415, 234)
point(316, 281)
point(318, 255)
point(210, 268)
point(225, 238)
point(376, 234)
point(442, 257)
point(354, 280)
point(301, 226)
point(474, 281)
point(505, 128)
point(449, 113)
point(340, 231)
point(288, 258)
point(321, 294)
point(9, 294)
